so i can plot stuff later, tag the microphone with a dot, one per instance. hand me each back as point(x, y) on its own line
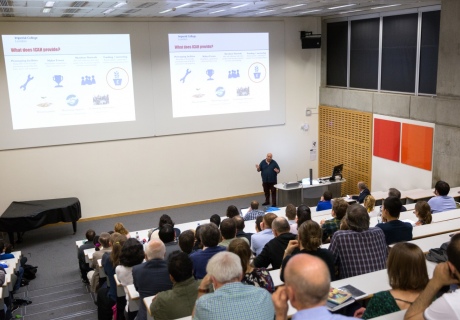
point(297, 176)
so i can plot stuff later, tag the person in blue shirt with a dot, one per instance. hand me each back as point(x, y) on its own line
point(442, 201)
point(306, 286)
point(394, 229)
point(269, 170)
point(325, 203)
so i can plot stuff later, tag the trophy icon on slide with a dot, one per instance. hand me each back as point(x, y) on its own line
point(58, 79)
point(210, 72)
point(116, 78)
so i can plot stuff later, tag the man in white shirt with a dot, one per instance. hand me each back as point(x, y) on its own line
point(446, 273)
point(259, 240)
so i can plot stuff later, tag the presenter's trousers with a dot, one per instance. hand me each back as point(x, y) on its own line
point(269, 187)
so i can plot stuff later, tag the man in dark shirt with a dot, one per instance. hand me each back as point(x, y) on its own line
point(239, 221)
point(394, 229)
point(84, 266)
point(363, 192)
point(273, 251)
point(210, 238)
point(393, 192)
point(152, 276)
point(269, 170)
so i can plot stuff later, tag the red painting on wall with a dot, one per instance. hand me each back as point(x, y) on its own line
point(387, 139)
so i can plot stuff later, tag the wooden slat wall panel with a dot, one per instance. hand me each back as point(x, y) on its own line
point(345, 136)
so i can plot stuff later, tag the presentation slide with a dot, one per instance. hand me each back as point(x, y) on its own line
point(219, 73)
point(67, 80)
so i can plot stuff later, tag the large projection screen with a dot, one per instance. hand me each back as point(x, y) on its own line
point(213, 57)
point(71, 71)
point(100, 81)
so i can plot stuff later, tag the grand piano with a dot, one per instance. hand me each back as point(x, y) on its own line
point(22, 216)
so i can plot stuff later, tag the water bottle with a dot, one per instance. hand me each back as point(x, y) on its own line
point(379, 215)
point(137, 236)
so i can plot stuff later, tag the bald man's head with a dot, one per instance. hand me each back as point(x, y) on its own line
point(155, 249)
point(307, 280)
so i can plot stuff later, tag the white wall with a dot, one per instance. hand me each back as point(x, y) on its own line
point(129, 175)
point(390, 174)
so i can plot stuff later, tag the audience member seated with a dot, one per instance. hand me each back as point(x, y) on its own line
point(180, 300)
point(291, 213)
point(303, 214)
point(132, 254)
point(84, 266)
point(120, 228)
point(186, 241)
point(96, 281)
point(5, 254)
point(231, 299)
point(423, 213)
point(394, 229)
point(258, 277)
point(259, 239)
point(393, 192)
point(273, 251)
point(325, 201)
point(5, 251)
point(168, 237)
point(441, 202)
point(239, 221)
point(329, 226)
point(228, 232)
point(215, 218)
point(309, 242)
point(306, 288)
point(445, 274)
point(232, 211)
point(152, 276)
point(258, 222)
point(210, 238)
point(164, 219)
point(359, 249)
point(197, 245)
point(369, 204)
point(253, 212)
point(407, 275)
point(363, 192)
point(107, 296)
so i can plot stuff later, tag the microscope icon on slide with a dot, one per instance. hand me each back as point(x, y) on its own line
point(58, 79)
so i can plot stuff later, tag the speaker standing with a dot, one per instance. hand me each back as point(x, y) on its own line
point(269, 170)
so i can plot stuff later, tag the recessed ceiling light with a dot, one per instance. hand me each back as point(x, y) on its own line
point(108, 11)
point(120, 4)
point(344, 12)
point(294, 6)
point(217, 11)
point(46, 10)
point(266, 11)
point(183, 5)
point(344, 6)
point(303, 12)
point(241, 5)
point(390, 5)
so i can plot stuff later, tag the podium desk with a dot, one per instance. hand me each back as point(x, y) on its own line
point(305, 193)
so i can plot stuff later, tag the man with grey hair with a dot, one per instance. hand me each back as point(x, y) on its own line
point(273, 251)
point(151, 276)
point(231, 299)
point(363, 192)
point(358, 249)
point(307, 288)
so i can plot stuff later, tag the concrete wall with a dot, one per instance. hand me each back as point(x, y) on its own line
point(122, 176)
point(442, 110)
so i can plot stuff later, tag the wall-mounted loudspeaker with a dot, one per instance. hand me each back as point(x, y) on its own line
point(309, 40)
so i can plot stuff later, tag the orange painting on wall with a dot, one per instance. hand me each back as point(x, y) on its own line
point(417, 146)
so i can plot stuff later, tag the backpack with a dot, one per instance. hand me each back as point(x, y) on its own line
point(30, 272)
point(438, 254)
